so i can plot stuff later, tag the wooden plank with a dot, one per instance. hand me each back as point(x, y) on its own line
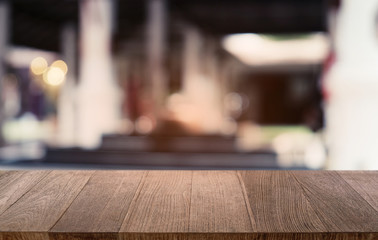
point(161, 203)
point(14, 184)
point(228, 205)
point(337, 204)
point(250, 236)
point(82, 236)
point(217, 203)
point(365, 183)
point(40, 208)
point(192, 236)
point(101, 206)
point(278, 204)
point(24, 236)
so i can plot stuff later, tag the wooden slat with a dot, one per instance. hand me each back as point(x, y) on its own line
point(217, 203)
point(24, 236)
point(278, 204)
point(161, 203)
point(40, 208)
point(101, 206)
point(238, 205)
point(82, 236)
point(194, 236)
point(14, 184)
point(249, 236)
point(337, 204)
point(365, 183)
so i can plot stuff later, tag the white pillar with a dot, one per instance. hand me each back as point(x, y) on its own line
point(99, 99)
point(4, 33)
point(156, 49)
point(200, 87)
point(191, 60)
point(352, 83)
point(67, 96)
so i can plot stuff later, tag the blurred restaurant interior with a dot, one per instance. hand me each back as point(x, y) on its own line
point(174, 84)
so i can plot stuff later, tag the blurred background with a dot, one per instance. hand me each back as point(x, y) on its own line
point(250, 84)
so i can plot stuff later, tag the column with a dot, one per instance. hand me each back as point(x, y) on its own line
point(200, 87)
point(156, 49)
point(352, 83)
point(99, 99)
point(67, 96)
point(4, 33)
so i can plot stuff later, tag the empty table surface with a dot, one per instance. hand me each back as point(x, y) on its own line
point(188, 205)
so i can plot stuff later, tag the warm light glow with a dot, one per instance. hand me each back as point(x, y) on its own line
point(255, 49)
point(127, 126)
point(38, 66)
point(233, 102)
point(54, 76)
point(229, 126)
point(144, 125)
point(61, 65)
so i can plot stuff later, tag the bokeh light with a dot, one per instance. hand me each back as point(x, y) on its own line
point(54, 76)
point(229, 126)
point(38, 66)
point(61, 65)
point(144, 125)
point(258, 49)
point(233, 102)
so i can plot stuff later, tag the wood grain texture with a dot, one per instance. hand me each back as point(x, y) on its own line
point(161, 203)
point(278, 204)
point(337, 204)
point(248, 236)
point(40, 208)
point(218, 203)
point(14, 184)
point(120, 205)
point(83, 236)
point(188, 236)
point(24, 236)
point(365, 183)
point(102, 204)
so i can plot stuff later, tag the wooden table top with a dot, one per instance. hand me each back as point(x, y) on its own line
point(188, 205)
